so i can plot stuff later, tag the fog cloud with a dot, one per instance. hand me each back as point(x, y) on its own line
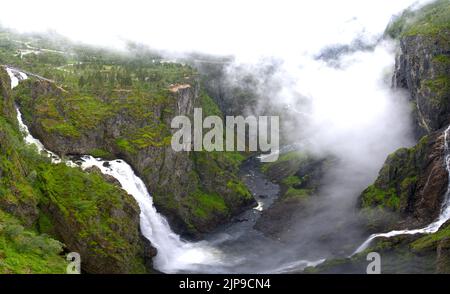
point(345, 108)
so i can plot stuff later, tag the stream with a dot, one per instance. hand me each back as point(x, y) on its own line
point(233, 248)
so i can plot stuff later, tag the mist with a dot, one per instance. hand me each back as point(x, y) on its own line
point(341, 106)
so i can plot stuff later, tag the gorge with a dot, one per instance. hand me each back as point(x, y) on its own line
point(105, 181)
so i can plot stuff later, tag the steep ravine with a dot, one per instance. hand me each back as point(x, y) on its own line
point(407, 206)
point(235, 247)
point(180, 182)
point(87, 212)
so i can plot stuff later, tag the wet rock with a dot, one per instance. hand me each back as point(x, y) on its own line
point(411, 183)
point(176, 180)
point(423, 69)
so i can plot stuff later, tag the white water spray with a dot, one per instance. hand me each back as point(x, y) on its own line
point(174, 254)
point(434, 226)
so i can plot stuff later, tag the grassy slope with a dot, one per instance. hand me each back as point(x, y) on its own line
point(99, 85)
point(433, 19)
point(29, 185)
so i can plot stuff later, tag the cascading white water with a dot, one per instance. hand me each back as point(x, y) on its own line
point(15, 77)
point(174, 254)
point(434, 226)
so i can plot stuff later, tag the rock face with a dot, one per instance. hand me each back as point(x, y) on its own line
point(299, 176)
point(109, 241)
point(84, 211)
point(423, 68)
point(412, 184)
point(195, 191)
point(413, 181)
point(423, 63)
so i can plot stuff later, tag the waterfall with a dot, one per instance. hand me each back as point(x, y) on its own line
point(434, 226)
point(173, 254)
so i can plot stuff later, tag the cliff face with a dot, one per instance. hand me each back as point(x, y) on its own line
point(413, 181)
point(410, 187)
point(423, 63)
point(195, 191)
point(41, 203)
point(423, 68)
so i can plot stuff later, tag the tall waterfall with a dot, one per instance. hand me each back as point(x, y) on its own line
point(174, 254)
point(434, 226)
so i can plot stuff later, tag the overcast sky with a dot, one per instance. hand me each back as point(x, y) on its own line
point(271, 27)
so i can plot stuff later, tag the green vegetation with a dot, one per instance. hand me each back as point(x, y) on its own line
point(111, 104)
point(291, 180)
point(431, 241)
point(125, 145)
point(23, 251)
point(101, 153)
point(294, 158)
point(442, 59)
point(298, 173)
point(397, 179)
point(292, 192)
point(203, 205)
point(297, 193)
point(439, 87)
point(38, 195)
point(431, 20)
point(240, 189)
point(374, 196)
point(209, 107)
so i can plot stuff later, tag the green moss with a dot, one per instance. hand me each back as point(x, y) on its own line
point(63, 129)
point(234, 158)
point(85, 111)
point(297, 193)
point(84, 201)
point(442, 59)
point(327, 265)
point(203, 204)
point(431, 20)
point(45, 224)
point(374, 196)
point(239, 188)
point(397, 179)
point(209, 107)
point(291, 180)
point(440, 87)
point(292, 155)
point(155, 135)
point(101, 153)
point(430, 241)
point(125, 145)
point(294, 158)
point(101, 87)
point(23, 251)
